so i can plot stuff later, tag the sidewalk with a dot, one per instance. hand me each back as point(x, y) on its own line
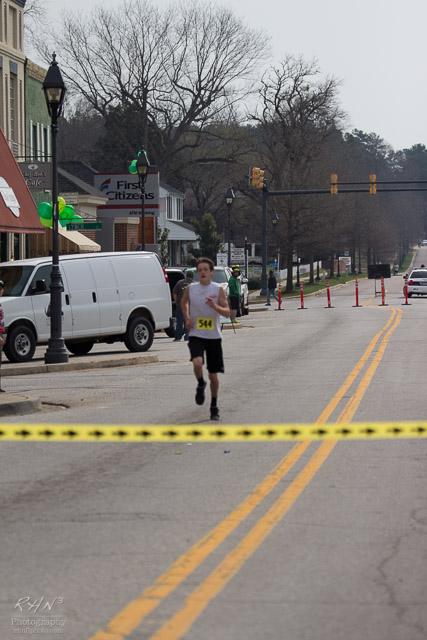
point(12, 404)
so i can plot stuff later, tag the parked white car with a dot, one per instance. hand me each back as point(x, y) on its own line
point(417, 283)
point(106, 297)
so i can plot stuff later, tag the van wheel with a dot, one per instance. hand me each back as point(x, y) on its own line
point(139, 335)
point(79, 348)
point(20, 344)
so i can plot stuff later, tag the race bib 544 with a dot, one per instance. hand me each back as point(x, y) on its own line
point(206, 324)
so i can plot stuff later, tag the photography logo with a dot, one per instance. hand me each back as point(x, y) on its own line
point(38, 616)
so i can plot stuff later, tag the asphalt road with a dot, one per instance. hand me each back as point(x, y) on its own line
point(289, 541)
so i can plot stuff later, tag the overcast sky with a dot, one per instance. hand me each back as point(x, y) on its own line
point(376, 47)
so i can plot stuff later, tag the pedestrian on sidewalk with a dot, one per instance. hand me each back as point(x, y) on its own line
point(234, 293)
point(203, 304)
point(177, 293)
point(2, 332)
point(271, 287)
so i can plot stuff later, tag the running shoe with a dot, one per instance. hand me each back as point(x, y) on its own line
point(214, 413)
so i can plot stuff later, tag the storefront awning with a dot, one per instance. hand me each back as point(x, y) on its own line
point(85, 245)
point(18, 211)
point(180, 231)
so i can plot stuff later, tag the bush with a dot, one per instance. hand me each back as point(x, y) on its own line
point(254, 283)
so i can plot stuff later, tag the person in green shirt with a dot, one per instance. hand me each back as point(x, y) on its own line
point(234, 293)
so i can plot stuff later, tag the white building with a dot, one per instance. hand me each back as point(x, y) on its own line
point(171, 217)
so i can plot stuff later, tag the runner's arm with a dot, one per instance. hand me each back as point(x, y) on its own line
point(222, 306)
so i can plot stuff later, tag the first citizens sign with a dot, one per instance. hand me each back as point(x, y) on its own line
point(124, 193)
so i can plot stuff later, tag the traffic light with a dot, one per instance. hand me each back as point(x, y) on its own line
point(257, 178)
point(373, 184)
point(334, 183)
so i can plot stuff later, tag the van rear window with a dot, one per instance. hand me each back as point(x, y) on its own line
point(15, 279)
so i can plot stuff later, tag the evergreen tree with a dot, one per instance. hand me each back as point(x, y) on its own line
point(209, 240)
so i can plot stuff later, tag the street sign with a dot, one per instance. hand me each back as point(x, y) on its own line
point(81, 226)
point(237, 254)
point(221, 259)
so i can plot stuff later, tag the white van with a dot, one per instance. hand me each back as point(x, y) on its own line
point(106, 297)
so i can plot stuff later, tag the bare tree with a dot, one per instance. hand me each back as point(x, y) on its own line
point(177, 71)
point(35, 13)
point(297, 114)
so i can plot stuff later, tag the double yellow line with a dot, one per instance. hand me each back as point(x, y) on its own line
point(134, 613)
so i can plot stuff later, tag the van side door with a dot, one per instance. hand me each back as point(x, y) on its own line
point(83, 297)
point(110, 312)
point(40, 300)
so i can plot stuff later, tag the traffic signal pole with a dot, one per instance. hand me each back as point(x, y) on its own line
point(257, 180)
point(264, 241)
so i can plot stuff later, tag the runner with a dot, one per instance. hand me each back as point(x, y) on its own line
point(202, 305)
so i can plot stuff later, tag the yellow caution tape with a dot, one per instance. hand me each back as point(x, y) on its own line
point(210, 433)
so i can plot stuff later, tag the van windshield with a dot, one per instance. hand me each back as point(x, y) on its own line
point(15, 278)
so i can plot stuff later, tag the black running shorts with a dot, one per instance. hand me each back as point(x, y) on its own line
point(213, 349)
point(234, 302)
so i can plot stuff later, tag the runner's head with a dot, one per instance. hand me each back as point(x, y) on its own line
point(205, 269)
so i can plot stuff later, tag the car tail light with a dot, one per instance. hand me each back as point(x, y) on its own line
point(166, 275)
point(411, 282)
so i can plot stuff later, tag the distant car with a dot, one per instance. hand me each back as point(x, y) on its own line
point(222, 276)
point(424, 243)
point(174, 275)
point(417, 283)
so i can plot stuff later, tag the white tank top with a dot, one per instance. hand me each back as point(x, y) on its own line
point(206, 321)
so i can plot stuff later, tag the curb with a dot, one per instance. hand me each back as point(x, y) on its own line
point(74, 365)
point(13, 404)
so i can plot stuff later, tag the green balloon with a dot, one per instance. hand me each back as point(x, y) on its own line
point(76, 218)
point(62, 222)
point(46, 223)
point(66, 213)
point(132, 168)
point(61, 204)
point(45, 210)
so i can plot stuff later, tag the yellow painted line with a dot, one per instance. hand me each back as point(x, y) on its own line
point(365, 304)
point(179, 624)
point(325, 415)
point(132, 615)
point(356, 399)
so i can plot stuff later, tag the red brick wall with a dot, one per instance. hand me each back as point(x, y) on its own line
point(124, 236)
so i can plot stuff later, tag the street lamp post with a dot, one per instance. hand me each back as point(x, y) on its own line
point(229, 198)
point(274, 221)
point(142, 165)
point(54, 91)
